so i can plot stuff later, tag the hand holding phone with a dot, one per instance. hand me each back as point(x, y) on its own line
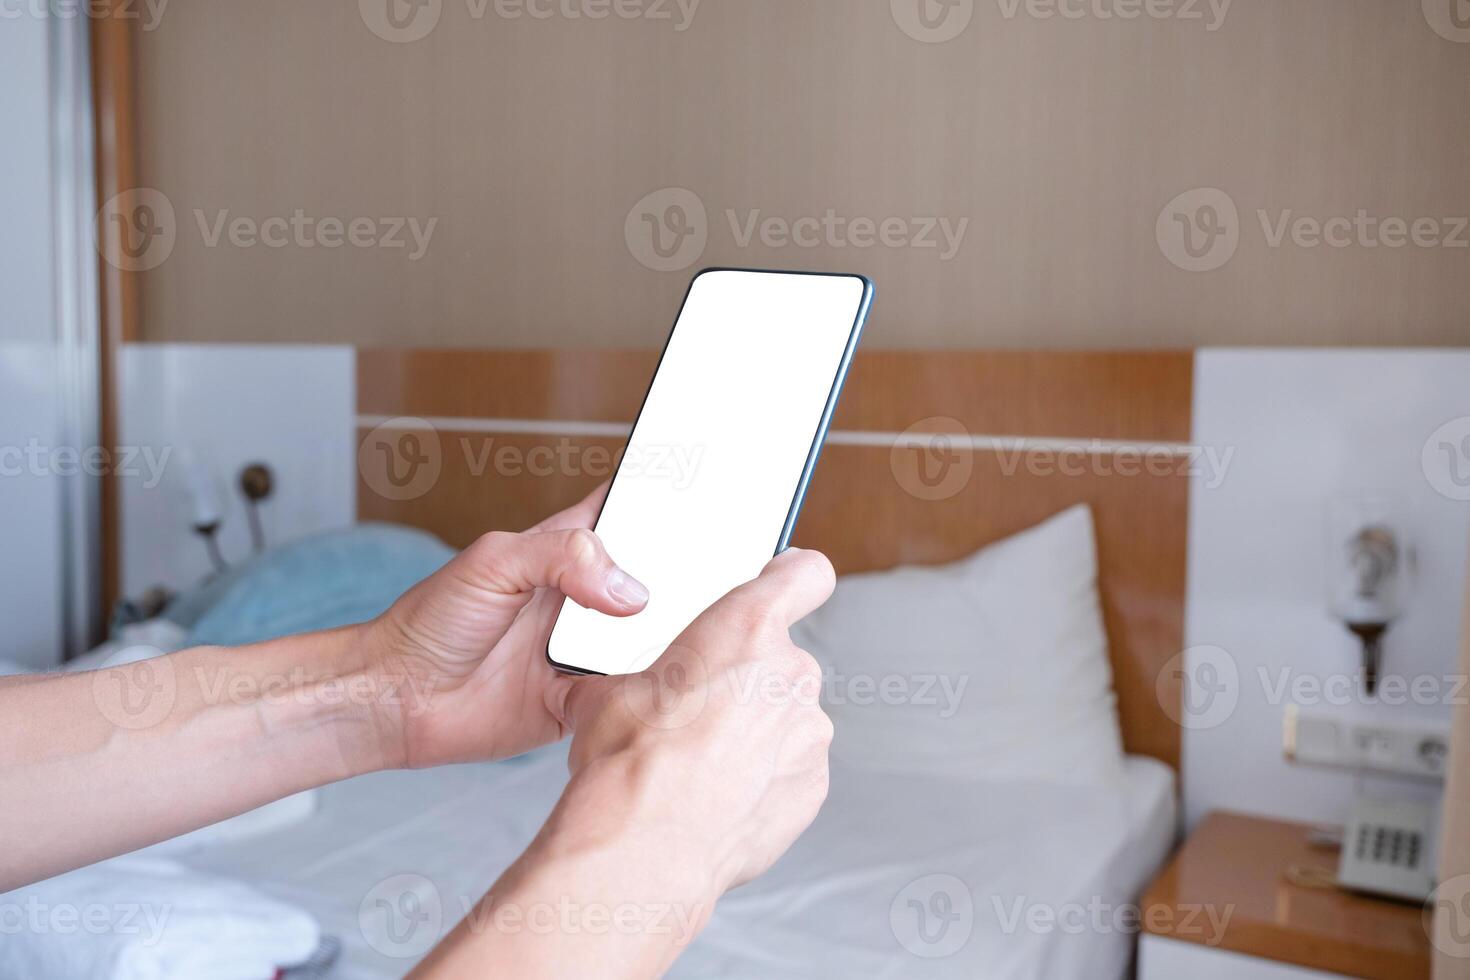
point(736, 776)
point(461, 653)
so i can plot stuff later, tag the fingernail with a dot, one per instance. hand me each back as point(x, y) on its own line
point(625, 589)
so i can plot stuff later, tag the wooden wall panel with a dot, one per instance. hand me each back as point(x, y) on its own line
point(1103, 395)
point(466, 500)
point(1128, 396)
point(863, 509)
point(589, 385)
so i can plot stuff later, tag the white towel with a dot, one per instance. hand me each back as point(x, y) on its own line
point(146, 918)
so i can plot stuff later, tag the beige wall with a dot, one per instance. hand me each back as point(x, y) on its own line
point(1059, 140)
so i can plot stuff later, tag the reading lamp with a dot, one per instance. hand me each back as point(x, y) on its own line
point(207, 504)
point(1368, 570)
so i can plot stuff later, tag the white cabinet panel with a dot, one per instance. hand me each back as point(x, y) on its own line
point(1170, 959)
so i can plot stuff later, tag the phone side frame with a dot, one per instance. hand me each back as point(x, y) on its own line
point(818, 440)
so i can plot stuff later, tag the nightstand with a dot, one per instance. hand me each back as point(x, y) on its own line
point(1224, 910)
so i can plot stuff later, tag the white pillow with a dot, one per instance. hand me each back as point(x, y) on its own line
point(995, 666)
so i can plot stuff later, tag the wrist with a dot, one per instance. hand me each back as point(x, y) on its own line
point(387, 695)
point(610, 886)
point(331, 683)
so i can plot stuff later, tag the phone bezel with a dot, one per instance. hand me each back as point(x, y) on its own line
point(818, 440)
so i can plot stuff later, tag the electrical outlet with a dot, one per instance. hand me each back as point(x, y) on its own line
point(1322, 738)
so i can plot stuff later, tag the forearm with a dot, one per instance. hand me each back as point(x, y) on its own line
point(100, 763)
point(597, 894)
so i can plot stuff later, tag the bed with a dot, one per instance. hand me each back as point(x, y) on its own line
point(383, 849)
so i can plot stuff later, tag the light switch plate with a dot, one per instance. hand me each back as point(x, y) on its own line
point(1325, 738)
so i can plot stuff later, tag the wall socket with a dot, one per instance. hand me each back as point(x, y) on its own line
point(1322, 738)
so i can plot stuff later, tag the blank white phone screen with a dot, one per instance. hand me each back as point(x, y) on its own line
point(712, 467)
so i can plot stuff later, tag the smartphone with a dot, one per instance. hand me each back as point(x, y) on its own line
point(712, 477)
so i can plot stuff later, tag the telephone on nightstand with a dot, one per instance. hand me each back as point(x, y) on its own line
point(1387, 849)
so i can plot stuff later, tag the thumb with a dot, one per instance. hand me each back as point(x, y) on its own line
point(573, 562)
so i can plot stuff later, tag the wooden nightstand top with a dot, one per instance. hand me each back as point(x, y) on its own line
point(1238, 864)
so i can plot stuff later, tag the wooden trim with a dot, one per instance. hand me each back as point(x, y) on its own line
point(114, 99)
point(464, 407)
point(918, 436)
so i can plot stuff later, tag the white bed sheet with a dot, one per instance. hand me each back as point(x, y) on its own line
point(828, 908)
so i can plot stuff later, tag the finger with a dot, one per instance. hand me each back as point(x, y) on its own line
point(572, 700)
point(678, 674)
point(582, 514)
point(573, 561)
point(791, 585)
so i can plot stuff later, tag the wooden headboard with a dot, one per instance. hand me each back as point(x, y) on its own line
point(1027, 434)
